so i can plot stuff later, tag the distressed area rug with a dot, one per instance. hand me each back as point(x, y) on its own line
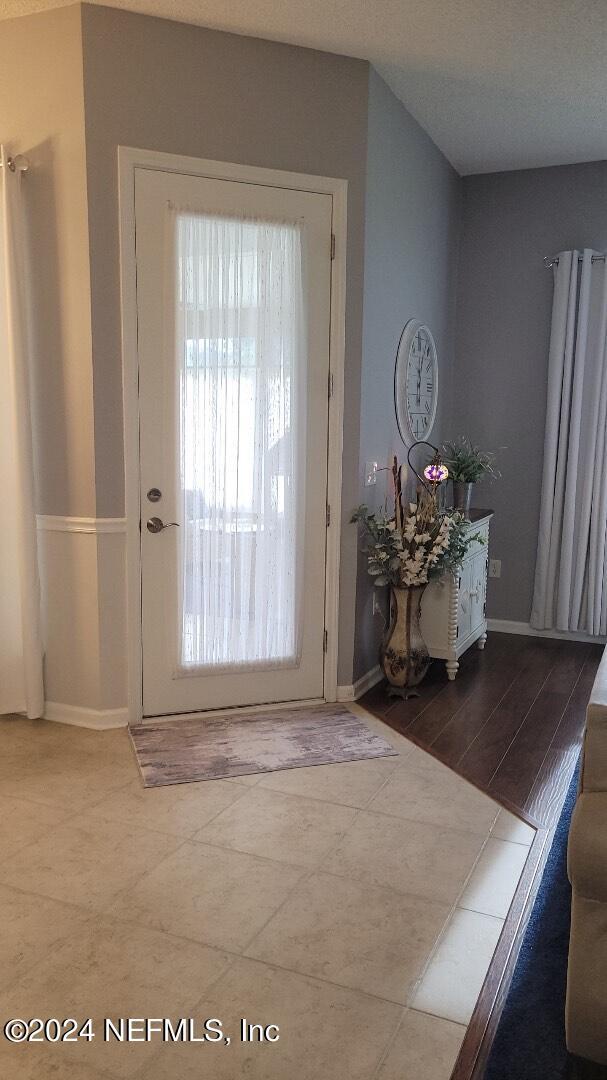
point(182, 751)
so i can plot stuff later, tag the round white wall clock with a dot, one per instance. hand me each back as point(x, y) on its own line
point(415, 382)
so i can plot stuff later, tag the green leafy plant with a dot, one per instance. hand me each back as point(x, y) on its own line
point(467, 463)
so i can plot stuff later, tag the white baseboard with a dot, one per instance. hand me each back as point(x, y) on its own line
point(508, 626)
point(360, 687)
point(79, 716)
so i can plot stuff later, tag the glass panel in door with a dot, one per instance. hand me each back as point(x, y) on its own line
point(242, 441)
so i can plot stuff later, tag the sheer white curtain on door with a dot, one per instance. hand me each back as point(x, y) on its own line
point(571, 569)
point(241, 392)
point(21, 688)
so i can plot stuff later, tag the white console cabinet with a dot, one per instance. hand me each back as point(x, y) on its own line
point(453, 610)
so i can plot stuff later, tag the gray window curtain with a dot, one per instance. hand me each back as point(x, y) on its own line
point(570, 576)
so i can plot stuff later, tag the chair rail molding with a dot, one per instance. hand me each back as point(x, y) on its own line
point(97, 526)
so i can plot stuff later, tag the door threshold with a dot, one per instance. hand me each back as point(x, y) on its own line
point(239, 710)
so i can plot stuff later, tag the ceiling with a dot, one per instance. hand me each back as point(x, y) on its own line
point(498, 84)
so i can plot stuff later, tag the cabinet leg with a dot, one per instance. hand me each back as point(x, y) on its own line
point(481, 642)
point(452, 667)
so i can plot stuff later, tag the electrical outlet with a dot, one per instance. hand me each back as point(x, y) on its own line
point(495, 567)
point(377, 608)
point(370, 473)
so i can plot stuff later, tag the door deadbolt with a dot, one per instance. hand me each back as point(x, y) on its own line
point(154, 494)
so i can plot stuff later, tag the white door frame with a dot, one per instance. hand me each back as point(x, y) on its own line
point(128, 160)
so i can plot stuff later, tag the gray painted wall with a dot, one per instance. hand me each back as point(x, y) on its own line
point(510, 221)
point(182, 89)
point(412, 208)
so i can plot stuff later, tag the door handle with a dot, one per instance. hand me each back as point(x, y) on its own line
point(156, 525)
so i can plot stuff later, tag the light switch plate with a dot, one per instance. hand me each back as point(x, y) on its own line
point(495, 567)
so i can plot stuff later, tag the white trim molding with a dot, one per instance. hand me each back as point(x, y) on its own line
point(130, 159)
point(79, 716)
point(508, 626)
point(56, 523)
point(360, 687)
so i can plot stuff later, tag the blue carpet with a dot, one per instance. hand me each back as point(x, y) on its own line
point(530, 1039)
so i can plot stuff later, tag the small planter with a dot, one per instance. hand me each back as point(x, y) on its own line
point(470, 464)
point(462, 496)
point(404, 655)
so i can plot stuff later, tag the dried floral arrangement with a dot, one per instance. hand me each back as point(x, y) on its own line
point(414, 545)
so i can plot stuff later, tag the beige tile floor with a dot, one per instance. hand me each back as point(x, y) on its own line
point(357, 906)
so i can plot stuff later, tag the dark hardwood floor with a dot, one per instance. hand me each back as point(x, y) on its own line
point(512, 721)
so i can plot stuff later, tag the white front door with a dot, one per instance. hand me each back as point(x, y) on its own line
point(233, 311)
